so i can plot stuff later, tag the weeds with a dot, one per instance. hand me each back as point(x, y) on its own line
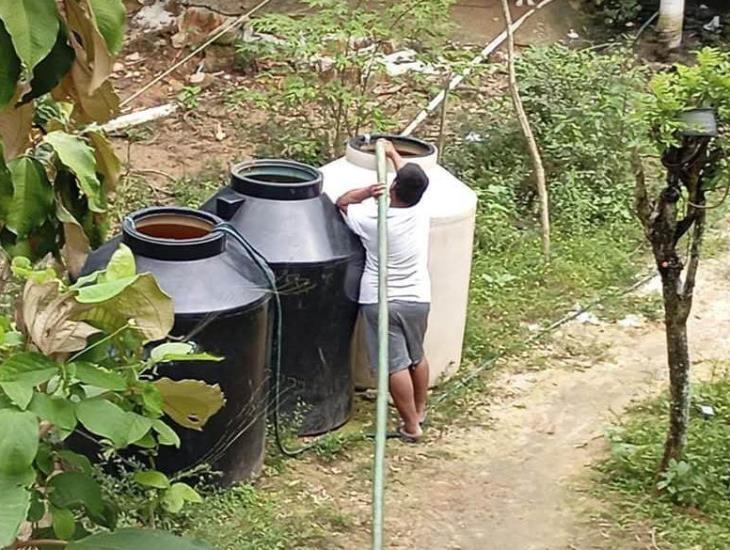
point(689, 504)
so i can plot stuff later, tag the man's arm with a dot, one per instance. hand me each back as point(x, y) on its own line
point(394, 156)
point(356, 196)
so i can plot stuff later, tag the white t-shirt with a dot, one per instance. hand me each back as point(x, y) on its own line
point(408, 232)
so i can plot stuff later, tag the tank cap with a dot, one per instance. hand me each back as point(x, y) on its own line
point(276, 179)
point(172, 233)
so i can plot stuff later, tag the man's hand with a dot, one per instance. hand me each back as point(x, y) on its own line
point(376, 191)
point(393, 155)
point(356, 196)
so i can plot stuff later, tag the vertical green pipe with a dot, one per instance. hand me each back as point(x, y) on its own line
point(382, 402)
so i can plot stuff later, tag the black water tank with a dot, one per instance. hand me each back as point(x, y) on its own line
point(279, 207)
point(221, 302)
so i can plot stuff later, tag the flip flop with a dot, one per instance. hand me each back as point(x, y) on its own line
point(408, 438)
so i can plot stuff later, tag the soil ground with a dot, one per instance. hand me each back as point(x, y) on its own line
point(518, 476)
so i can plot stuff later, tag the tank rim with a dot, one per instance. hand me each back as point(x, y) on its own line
point(161, 248)
point(426, 149)
point(246, 178)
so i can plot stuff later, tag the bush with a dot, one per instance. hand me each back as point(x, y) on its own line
point(579, 103)
point(614, 13)
point(690, 502)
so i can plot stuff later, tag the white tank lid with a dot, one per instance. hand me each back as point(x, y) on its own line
point(446, 197)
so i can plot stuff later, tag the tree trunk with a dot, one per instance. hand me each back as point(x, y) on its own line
point(675, 322)
point(539, 170)
point(671, 21)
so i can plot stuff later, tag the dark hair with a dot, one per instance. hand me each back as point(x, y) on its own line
point(410, 184)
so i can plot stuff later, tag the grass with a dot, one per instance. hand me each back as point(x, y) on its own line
point(246, 518)
point(693, 509)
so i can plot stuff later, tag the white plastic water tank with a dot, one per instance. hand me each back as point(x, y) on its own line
point(452, 207)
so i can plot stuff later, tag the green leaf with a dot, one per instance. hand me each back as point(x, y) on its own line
point(33, 25)
point(138, 298)
point(32, 196)
point(165, 434)
point(140, 539)
point(190, 403)
point(57, 410)
point(51, 70)
point(28, 367)
point(20, 394)
point(152, 478)
point(179, 351)
point(174, 498)
point(63, 521)
point(107, 420)
point(76, 460)
point(151, 399)
point(18, 441)
point(109, 17)
point(74, 490)
point(78, 157)
point(37, 507)
point(6, 182)
point(92, 375)
point(14, 505)
point(121, 265)
point(9, 69)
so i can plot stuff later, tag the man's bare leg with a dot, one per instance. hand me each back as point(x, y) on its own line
point(419, 378)
point(401, 389)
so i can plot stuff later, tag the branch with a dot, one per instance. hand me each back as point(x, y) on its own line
point(694, 261)
point(641, 196)
point(529, 136)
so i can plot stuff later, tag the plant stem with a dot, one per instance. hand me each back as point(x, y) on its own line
point(529, 135)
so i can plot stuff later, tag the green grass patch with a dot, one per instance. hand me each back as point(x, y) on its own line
point(688, 506)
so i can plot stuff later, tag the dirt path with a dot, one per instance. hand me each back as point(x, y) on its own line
point(520, 483)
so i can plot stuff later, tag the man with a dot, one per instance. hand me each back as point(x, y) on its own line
point(409, 285)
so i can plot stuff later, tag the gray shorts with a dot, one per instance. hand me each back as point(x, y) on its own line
point(407, 322)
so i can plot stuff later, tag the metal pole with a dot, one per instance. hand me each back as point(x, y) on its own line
point(382, 401)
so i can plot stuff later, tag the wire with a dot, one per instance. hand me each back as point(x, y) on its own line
point(268, 273)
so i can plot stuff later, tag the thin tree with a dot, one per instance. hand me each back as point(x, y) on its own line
point(671, 23)
point(538, 168)
point(689, 165)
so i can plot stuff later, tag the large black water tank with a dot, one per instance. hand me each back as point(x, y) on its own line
point(279, 207)
point(221, 302)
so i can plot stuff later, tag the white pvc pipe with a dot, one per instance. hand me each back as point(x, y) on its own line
point(458, 79)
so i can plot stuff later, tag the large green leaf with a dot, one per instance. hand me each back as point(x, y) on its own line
point(90, 374)
point(109, 17)
point(78, 157)
point(75, 489)
point(9, 68)
point(32, 196)
point(57, 410)
point(20, 373)
point(174, 498)
point(33, 26)
point(14, 504)
point(111, 305)
point(18, 441)
point(51, 70)
point(64, 523)
point(179, 351)
point(152, 478)
point(139, 539)
point(28, 367)
point(190, 403)
point(165, 434)
point(107, 420)
point(121, 265)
